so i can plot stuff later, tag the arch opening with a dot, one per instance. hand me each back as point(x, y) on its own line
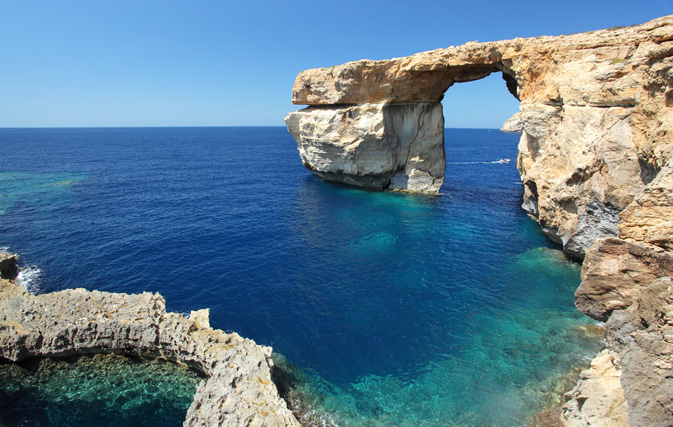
point(482, 103)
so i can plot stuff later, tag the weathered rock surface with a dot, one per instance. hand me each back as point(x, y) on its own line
point(594, 157)
point(613, 273)
point(596, 111)
point(643, 337)
point(8, 268)
point(377, 146)
point(649, 218)
point(238, 392)
point(598, 399)
point(513, 125)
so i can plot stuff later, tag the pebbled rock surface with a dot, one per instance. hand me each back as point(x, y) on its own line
point(238, 392)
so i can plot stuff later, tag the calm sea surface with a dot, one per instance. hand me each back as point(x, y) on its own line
point(393, 310)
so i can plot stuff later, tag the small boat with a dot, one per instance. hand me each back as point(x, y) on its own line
point(503, 161)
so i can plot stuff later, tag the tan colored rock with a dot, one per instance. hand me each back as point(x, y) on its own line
point(513, 124)
point(238, 392)
point(545, 69)
point(650, 217)
point(613, 273)
point(571, 157)
point(597, 113)
point(598, 399)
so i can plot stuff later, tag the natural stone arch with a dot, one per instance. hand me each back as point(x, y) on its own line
point(394, 140)
point(595, 109)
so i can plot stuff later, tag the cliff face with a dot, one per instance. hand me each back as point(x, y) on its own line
point(378, 146)
point(595, 161)
point(595, 111)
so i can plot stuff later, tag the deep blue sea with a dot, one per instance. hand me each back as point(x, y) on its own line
point(393, 309)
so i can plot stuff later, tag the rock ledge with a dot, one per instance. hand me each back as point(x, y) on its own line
point(238, 391)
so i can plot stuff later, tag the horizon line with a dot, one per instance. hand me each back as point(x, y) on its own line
point(180, 126)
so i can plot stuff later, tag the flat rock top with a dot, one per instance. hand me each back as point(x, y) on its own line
point(425, 76)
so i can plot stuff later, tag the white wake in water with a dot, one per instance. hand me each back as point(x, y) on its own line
point(500, 162)
point(30, 277)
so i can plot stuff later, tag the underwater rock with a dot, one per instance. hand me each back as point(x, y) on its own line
point(239, 390)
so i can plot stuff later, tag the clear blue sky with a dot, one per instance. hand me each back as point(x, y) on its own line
point(220, 63)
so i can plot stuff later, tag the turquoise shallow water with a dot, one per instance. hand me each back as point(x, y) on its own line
point(392, 309)
point(96, 390)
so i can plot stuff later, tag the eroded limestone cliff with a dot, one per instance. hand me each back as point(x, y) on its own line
point(595, 107)
point(595, 161)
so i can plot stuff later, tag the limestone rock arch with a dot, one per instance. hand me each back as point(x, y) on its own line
point(595, 107)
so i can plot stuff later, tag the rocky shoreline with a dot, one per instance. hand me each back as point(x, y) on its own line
point(239, 389)
point(595, 159)
point(595, 162)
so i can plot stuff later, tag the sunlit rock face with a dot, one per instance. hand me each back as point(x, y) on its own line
point(596, 111)
point(513, 124)
point(378, 146)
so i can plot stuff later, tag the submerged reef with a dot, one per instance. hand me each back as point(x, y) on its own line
point(238, 391)
point(594, 157)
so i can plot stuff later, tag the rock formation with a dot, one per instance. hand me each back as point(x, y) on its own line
point(627, 281)
point(238, 392)
point(595, 161)
point(513, 124)
point(378, 145)
point(598, 400)
point(595, 110)
point(8, 268)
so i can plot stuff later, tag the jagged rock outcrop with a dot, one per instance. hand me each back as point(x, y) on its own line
point(642, 335)
point(627, 281)
point(649, 218)
point(595, 161)
point(377, 146)
point(513, 125)
point(8, 269)
point(640, 341)
point(595, 107)
point(613, 273)
point(598, 399)
point(238, 391)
